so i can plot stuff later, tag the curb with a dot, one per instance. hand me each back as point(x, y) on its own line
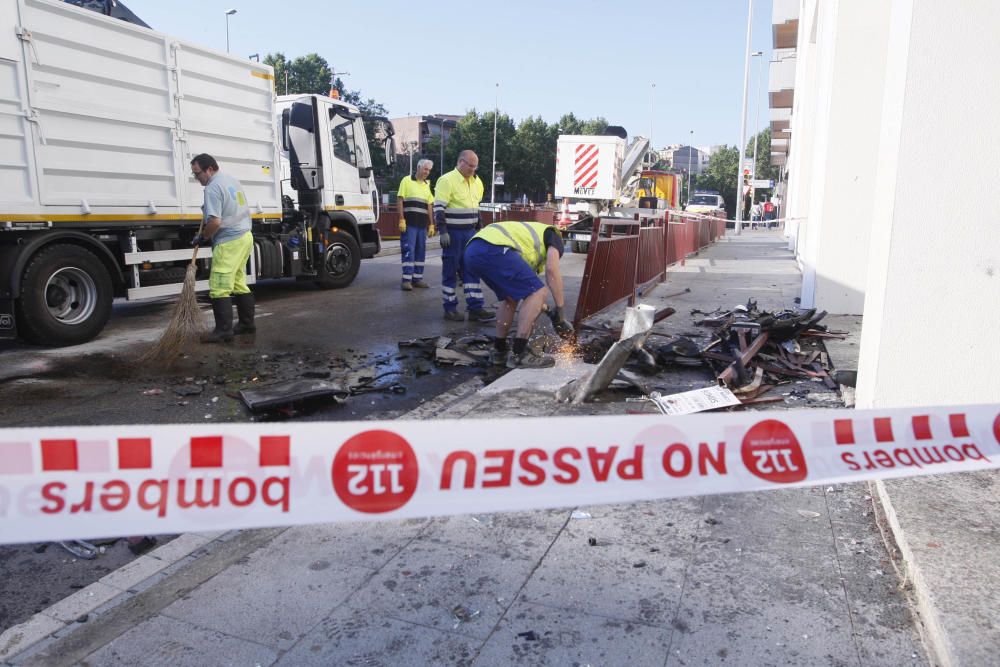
point(120, 583)
point(59, 619)
point(932, 631)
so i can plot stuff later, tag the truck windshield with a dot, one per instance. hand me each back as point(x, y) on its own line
point(704, 200)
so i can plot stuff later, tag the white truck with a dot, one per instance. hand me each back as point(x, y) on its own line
point(593, 172)
point(99, 119)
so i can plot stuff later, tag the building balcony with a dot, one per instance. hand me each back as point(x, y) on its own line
point(781, 82)
point(784, 23)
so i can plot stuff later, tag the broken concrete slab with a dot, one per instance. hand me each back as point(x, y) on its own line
point(542, 379)
point(284, 393)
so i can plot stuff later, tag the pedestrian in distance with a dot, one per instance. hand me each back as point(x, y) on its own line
point(227, 227)
point(509, 256)
point(456, 212)
point(413, 202)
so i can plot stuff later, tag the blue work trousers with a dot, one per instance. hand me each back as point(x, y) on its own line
point(413, 250)
point(453, 269)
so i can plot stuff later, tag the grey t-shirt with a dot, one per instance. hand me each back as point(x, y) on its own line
point(225, 199)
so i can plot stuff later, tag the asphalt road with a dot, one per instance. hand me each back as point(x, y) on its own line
point(351, 334)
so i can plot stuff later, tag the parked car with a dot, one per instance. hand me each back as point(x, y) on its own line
point(701, 202)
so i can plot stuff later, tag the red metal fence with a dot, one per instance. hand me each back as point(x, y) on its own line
point(625, 256)
point(388, 219)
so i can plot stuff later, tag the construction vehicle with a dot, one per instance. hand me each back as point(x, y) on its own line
point(600, 176)
point(101, 118)
point(658, 189)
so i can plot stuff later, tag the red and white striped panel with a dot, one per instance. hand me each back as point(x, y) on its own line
point(585, 170)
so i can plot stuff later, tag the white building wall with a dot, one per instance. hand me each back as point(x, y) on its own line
point(803, 111)
point(932, 307)
point(848, 116)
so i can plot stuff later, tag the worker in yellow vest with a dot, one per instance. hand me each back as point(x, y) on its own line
point(413, 202)
point(456, 211)
point(509, 256)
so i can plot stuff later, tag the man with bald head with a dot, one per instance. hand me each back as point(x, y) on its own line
point(456, 211)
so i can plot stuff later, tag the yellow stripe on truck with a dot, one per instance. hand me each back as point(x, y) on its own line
point(114, 217)
point(347, 208)
point(262, 75)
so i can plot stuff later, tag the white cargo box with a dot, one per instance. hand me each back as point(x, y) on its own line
point(589, 167)
point(99, 119)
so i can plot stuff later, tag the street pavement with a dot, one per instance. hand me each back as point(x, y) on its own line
point(790, 577)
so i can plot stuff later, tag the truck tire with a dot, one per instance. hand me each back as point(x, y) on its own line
point(581, 247)
point(341, 261)
point(66, 296)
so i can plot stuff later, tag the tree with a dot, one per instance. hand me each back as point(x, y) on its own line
point(720, 175)
point(475, 132)
point(533, 166)
point(764, 168)
point(570, 124)
point(309, 74)
point(282, 75)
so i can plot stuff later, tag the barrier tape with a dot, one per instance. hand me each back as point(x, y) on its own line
point(69, 483)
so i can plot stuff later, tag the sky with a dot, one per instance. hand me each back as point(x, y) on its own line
point(549, 57)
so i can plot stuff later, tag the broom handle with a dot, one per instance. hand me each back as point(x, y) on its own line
point(194, 257)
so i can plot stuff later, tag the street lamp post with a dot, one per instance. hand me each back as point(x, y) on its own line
point(493, 176)
point(652, 102)
point(743, 124)
point(756, 122)
point(413, 147)
point(690, 148)
point(229, 12)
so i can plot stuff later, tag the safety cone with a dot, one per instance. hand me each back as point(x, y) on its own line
point(564, 221)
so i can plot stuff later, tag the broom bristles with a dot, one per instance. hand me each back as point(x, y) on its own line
point(185, 326)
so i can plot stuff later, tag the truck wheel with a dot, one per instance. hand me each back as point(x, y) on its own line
point(341, 261)
point(66, 296)
point(581, 247)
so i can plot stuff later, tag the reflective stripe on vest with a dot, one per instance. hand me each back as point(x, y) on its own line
point(461, 217)
point(534, 255)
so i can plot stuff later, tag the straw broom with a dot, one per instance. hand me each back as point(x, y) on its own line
point(185, 325)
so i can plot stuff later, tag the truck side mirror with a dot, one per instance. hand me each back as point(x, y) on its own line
point(284, 129)
point(303, 155)
point(389, 147)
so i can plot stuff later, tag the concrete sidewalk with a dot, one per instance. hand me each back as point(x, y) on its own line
point(797, 576)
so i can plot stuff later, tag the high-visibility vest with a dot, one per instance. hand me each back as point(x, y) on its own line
point(459, 198)
point(527, 238)
point(416, 195)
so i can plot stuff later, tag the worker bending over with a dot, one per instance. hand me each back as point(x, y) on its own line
point(509, 256)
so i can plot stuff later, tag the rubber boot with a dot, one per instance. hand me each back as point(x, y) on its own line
point(244, 311)
point(223, 310)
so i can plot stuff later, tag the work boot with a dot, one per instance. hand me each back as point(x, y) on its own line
point(406, 286)
point(498, 358)
point(530, 359)
point(420, 284)
point(244, 312)
point(453, 316)
point(481, 315)
point(222, 308)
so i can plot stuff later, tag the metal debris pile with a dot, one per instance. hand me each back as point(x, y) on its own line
point(752, 350)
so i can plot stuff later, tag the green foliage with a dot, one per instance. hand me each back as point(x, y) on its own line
point(720, 175)
point(309, 74)
point(533, 167)
point(526, 153)
point(764, 167)
point(570, 124)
